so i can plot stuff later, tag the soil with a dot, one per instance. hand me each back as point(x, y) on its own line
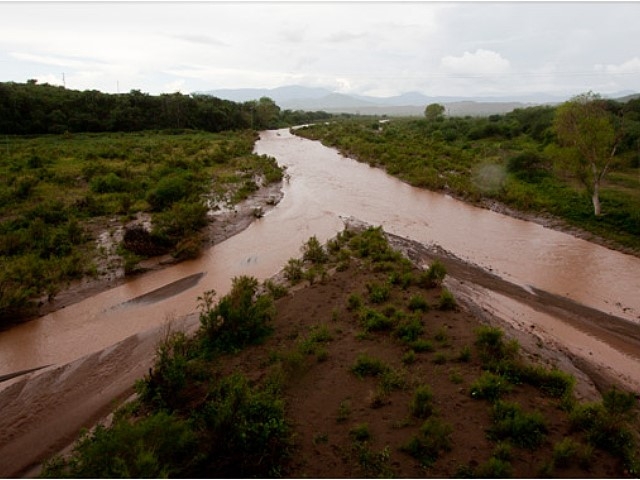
point(326, 401)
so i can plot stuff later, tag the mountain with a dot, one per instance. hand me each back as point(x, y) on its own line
point(297, 97)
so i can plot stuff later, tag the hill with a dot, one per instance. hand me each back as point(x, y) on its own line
point(364, 366)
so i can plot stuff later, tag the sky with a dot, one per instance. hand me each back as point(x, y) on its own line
point(372, 48)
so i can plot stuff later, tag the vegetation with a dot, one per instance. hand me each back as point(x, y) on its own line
point(517, 159)
point(60, 194)
point(587, 128)
point(234, 399)
point(32, 108)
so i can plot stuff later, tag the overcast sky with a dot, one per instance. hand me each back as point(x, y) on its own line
point(372, 48)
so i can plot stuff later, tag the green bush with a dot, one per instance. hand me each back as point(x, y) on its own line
point(511, 423)
point(378, 293)
point(421, 405)
point(418, 302)
point(494, 468)
point(374, 321)
point(314, 252)
point(244, 430)
point(490, 387)
point(366, 366)
point(238, 319)
point(434, 276)
point(293, 270)
point(157, 446)
point(434, 437)
point(553, 383)
point(409, 329)
point(168, 190)
point(446, 301)
point(610, 425)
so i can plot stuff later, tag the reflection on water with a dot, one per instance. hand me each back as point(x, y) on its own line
point(323, 187)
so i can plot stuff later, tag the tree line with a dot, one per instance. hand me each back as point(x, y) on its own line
point(34, 109)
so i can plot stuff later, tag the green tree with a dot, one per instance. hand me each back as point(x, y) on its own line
point(434, 111)
point(588, 131)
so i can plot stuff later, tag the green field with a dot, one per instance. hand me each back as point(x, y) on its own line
point(57, 191)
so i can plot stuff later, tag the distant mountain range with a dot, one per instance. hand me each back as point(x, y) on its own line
point(296, 97)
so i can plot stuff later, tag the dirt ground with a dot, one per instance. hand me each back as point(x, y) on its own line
point(327, 401)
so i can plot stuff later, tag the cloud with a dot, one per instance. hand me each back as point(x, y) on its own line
point(629, 67)
point(57, 61)
point(482, 62)
point(200, 39)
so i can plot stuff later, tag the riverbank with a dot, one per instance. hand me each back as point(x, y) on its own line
point(321, 333)
point(44, 410)
point(222, 225)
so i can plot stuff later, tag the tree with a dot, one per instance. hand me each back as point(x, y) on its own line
point(434, 111)
point(587, 129)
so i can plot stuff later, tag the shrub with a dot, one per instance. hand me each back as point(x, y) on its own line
point(434, 437)
point(494, 468)
point(608, 425)
point(169, 189)
point(373, 321)
point(553, 383)
point(378, 293)
point(344, 410)
point(245, 431)
point(446, 301)
point(366, 366)
point(314, 252)
point(434, 276)
point(360, 433)
point(409, 330)
point(422, 345)
point(492, 348)
point(418, 302)
point(421, 405)
point(239, 319)
point(490, 387)
point(526, 430)
point(354, 302)
point(160, 445)
point(293, 270)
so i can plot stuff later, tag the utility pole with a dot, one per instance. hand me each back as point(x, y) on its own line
point(64, 83)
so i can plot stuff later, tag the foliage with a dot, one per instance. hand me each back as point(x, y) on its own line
point(421, 405)
point(490, 386)
point(239, 319)
point(314, 252)
point(511, 423)
point(367, 366)
point(434, 437)
point(158, 446)
point(608, 425)
point(59, 187)
point(32, 108)
point(434, 276)
point(585, 126)
point(447, 301)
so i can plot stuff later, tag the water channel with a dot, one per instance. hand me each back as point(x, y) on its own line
point(323, 188)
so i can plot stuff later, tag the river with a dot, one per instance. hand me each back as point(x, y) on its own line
point(323, 188)
point(566, 293)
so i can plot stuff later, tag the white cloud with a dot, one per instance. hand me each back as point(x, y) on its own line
point(481, 62)
point(445, 48)
point(631, 66)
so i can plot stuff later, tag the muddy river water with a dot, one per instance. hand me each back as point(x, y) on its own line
point(323, 188)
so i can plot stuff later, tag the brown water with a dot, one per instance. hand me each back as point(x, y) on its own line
point(324, 187)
